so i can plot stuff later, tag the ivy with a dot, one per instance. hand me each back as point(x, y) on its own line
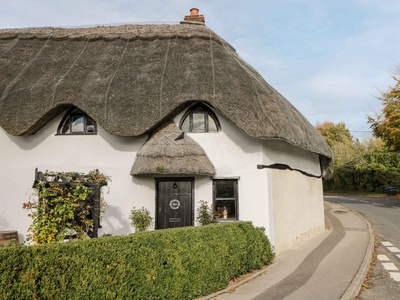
point(62, 207)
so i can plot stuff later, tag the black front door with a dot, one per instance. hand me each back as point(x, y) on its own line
point(174, 203)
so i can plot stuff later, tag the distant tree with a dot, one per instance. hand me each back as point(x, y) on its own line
point(346, 153)
point(386, 125)
point(334, 133)
point(344, 148)
point(366, 166)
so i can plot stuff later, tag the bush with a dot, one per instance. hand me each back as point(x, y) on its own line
point(64, 204)
point(141, 219)
point(205, 214)
point(181, 263)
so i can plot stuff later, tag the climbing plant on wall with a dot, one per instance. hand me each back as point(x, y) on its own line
point(67, 205)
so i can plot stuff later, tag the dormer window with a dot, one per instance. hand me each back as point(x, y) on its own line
point(199, 118)
point(77, 122)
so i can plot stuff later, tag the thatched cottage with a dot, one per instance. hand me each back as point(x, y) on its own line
point(171, 113)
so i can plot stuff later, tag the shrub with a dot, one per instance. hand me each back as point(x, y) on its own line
point(205, 214)
point(141, 219)
point(181, 263)
point(63, 205)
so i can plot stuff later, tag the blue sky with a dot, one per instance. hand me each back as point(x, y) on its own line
point(330, 59)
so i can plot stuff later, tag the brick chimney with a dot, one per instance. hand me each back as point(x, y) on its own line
point(194, 18)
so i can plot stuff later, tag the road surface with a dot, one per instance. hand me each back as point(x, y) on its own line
point(383, 213)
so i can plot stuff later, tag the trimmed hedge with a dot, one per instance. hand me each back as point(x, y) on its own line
point(370, 179)
point(181, 263)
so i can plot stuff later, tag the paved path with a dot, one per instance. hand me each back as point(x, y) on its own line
point(299, 277)
point(330, 265)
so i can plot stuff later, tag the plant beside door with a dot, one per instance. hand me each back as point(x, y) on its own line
point(141, 219)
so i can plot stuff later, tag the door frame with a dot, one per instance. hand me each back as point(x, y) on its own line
point(192, 203)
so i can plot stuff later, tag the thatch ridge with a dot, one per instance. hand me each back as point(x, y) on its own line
point(170, 152)
point(123, 32)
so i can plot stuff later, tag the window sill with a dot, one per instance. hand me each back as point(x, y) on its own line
point(227, 220)
point(77, 133)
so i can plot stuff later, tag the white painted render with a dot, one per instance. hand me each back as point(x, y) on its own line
point(113, 156)
point(266, 197)
point(298, 208)
point(276, 151)
point(297, 200)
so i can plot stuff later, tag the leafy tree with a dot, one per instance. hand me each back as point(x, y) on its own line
point(346, 153)
point(341, 142)
point(386, 125)
point(334, 133)
point(366, 166)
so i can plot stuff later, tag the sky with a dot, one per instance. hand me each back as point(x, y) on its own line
point(330, 59)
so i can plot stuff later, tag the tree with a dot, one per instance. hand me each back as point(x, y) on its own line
point(334, 133)
point(338, 137)
point(386, 125)
point(365, 166)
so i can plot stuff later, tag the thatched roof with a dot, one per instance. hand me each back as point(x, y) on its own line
point(133, 78)
point(170, 151)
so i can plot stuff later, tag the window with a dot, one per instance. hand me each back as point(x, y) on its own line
point(226, 198)
point(199, 118)
point(77, 122)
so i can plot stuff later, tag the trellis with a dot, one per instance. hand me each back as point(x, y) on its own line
point(93, 200)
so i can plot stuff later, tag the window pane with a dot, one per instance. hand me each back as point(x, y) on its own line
point(77, 124)
point(185, 125)
point(89, 121)
point(226, 200)
point(198, 122)
point(212, 127)
point(225, 205)
point(199, 118)
point(90, 125)
point(225, 188)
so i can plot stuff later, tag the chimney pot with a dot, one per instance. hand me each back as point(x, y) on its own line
point(194, 11)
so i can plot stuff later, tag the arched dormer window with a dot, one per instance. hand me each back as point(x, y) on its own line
point(199, 118)
point(77, 122)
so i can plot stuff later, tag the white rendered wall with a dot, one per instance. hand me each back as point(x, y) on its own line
point(113, 156)
point(276, 151)
point(297, 200)
point(234, 154)
point(298, 208)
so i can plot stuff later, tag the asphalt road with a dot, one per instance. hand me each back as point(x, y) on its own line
point(383, 213)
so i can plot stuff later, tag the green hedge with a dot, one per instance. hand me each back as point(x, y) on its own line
point(181, 263)
point(370, 179)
